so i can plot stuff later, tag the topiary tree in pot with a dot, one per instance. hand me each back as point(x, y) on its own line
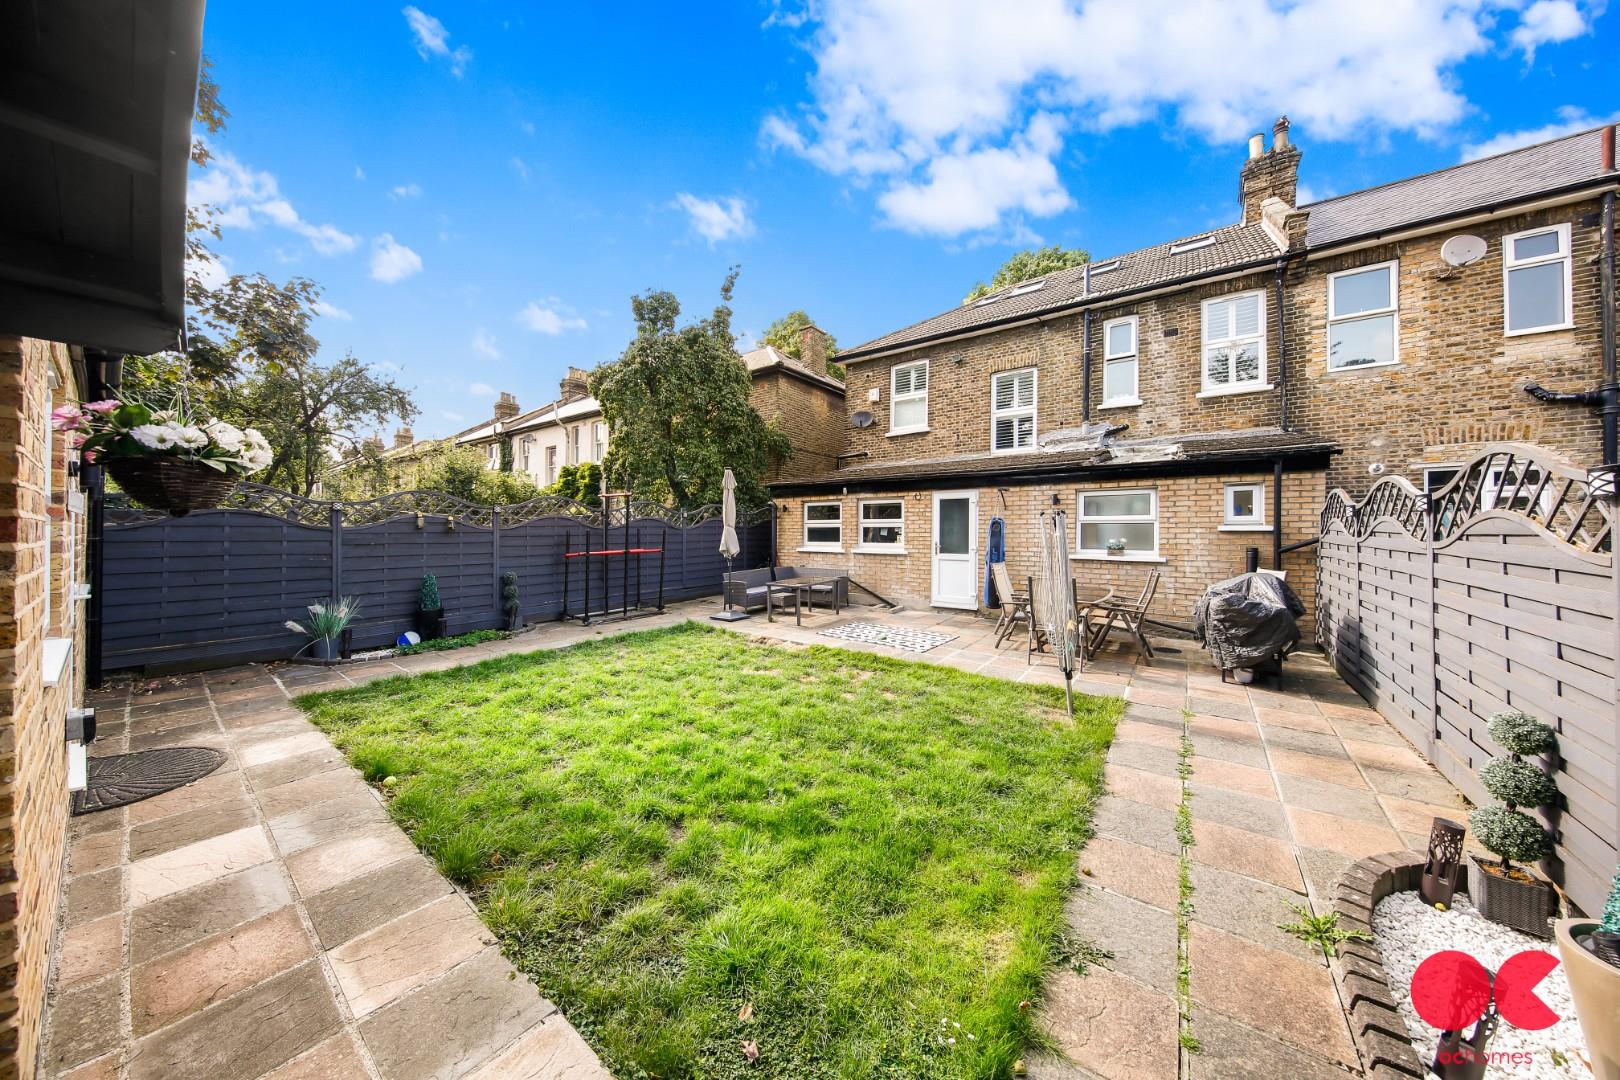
point(510, 600)
point(429, 609)
point(1591, 954)
point(1505, 893)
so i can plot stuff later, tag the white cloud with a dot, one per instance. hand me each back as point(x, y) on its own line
point(1548, 22)
point(331, 311)
point(359, 173)
point(479, 389)
point(521, 167)
point(716, 219)
point(484, 344)
point(432, 39)
point(526, 126)
point(935, 102)
point(392, 261)
point(1570, 120)
point(545, 318)
point(245, 198)
point(405, 191)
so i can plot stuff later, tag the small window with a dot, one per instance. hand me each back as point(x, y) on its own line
point(1362, 320)
point(1130, 518)
point(1105, 267)
point(1235, 343)
point(1246, 504)
point(1028, 287)
point(1191, 245)
point(601, 441)
point(883, 524)
point(985, 301)
point(1535, 265)
point(824, 526)
point(1119, 362)
point(551, 465)
point(1012, 410)
point(1503, 489)
point(1437, 478)
point(908, 398)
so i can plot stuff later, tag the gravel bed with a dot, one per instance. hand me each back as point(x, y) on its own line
point(1408, 931)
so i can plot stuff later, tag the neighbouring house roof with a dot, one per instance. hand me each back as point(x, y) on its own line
point(1569, 162)
point(770, 358)
point(1164, 455)
point(1564, 164)
point(96, 103)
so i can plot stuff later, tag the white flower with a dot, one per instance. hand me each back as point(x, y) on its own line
point(188, 437)
point(228, 436)
point(156, 436)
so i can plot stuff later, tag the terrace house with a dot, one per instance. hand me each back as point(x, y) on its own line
point(1200, 397)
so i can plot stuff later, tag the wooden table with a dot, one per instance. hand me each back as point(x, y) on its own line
point(801, 588)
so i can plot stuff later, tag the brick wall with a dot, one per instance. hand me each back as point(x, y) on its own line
point(1195, 550)
point(810, 415)
point(32, 715)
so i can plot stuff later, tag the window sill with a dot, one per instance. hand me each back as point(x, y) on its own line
point(1098, 556)
point(1012, 450)
point(1235, 390)
point(822, 549)
point(1538, 330)
point(1230, 527)
point(880, 550)
point(53, 661)
point(906, 431)
point(1363, 367)
point(1122, 403)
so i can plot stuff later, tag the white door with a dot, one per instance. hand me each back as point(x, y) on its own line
point(956, 549)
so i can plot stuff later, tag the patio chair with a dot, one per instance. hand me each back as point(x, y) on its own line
point(1014, 604)
point(1104, 614)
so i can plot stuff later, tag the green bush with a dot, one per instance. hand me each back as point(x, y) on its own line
point(1518, 783)
point(429, 597)
point(460, 641)
point(1520, 733)
point(1611, 909)
point(1511, 834)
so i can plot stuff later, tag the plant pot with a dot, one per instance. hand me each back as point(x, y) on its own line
point(1522, 905)
point(1113, 554)
point(430, 624)
point(1595, 985)
point(168, 483)
point(325, 648)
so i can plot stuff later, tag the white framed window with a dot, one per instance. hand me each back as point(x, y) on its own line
point(1245, 506)
point(600, 431)
point(882, 525)
point(551, 465)
point(1536, 282)
point(908, 398)
point(1119, 362)
point(1234, 357)
point(1113, 516)
point(1502, 489)
point(574, 445)
point(824, 526)
point(1436, 477)
point(1364, 317)
point(1012, 411)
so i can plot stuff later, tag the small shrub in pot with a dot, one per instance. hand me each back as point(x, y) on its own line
point(1506, 893)
point(510, 600)
point(1591, 955)
point(430, 609)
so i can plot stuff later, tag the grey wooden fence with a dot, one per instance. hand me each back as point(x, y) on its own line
point(215, 587)
point(1498, 590)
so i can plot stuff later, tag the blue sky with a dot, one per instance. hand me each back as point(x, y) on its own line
point(480, 187)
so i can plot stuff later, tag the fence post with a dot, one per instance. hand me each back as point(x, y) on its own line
point(334, 523)
point(495, 559)
point(1430, 561)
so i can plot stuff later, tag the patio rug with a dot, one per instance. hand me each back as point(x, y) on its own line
point(122, 779)
point(898, 637)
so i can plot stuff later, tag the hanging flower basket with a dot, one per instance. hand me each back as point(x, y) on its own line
point(172, 484)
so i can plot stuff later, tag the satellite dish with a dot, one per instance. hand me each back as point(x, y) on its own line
point(862, 419)
point(1462, 249)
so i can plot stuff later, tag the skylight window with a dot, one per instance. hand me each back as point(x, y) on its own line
point(986, 300)
point(1105, 268)
point(1191, 245)
point(1028, 287)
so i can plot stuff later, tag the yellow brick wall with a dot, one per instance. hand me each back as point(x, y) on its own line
point(812, 417)
point(1195, 550)
point(32, 751)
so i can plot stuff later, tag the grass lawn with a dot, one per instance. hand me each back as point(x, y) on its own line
point(692, 842)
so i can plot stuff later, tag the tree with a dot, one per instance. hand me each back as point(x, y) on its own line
point(582, 483)
point(784, 335)
point(464, 472)
point(1027, 265)
point(677, 404)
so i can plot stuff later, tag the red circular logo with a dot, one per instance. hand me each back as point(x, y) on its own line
point(1451, 990)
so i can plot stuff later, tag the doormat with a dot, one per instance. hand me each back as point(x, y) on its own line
point(898, 637)
point(128, 778)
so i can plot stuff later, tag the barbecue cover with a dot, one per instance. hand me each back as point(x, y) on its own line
point(1246, 620)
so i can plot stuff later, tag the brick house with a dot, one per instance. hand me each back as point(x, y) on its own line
point(95, 129)
point(802, 398)
point(1200, 397)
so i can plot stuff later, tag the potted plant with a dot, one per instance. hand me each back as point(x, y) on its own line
point(429, 610)
point(1505, 893)
point(1116, 547)
point(325, 626)
point(510, 600)
point(1591, 954)
point(172, 459)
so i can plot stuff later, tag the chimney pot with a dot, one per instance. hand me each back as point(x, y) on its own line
point(506, 406)
point(1607, 142)
point(1257, 145)
point(575, 385)
point(1279, 134)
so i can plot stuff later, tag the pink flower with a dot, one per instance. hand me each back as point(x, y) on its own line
point(78, 441)
point(102, 407)
point(90, 457)
point(66, 417)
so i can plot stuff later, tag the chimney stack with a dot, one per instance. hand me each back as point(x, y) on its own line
point(575, 385)
point(1270, 173)
point(403, 437)
point(813, 348)
point(506, 406)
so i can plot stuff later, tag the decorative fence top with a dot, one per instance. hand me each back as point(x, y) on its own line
point(1507, 478)
point(319, 513)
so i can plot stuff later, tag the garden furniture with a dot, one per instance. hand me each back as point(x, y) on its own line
point(1102, 615)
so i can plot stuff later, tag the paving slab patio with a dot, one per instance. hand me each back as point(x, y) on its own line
point(269, 921)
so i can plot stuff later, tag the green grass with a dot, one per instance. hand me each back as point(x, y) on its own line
point(667, 827)
point(460, 641)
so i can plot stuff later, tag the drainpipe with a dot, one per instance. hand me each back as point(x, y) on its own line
point(1085, 349)
point(1282, 351)
point(105, 373)
point(1276, 514)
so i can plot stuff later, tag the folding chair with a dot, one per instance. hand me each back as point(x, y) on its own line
point(1014, 604)
point(1103, 615)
